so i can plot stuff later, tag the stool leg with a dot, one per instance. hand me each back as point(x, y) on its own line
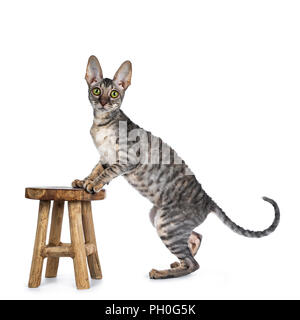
point(78, 245)
point(89, 232)
point(54, 238)
point(40, 242)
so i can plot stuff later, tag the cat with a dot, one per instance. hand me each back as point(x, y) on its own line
point(179, 202)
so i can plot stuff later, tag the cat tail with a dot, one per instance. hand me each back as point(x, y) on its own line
point(248, 233)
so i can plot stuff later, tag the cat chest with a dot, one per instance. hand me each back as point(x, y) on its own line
point(105, 141)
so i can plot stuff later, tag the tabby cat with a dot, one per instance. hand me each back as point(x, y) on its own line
point(154, 169)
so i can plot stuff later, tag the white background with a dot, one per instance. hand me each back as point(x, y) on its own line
point(217, 80)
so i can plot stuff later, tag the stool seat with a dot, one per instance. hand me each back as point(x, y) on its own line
point(62, 193)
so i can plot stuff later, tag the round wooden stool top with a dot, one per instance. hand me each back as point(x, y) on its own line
point(62, 193)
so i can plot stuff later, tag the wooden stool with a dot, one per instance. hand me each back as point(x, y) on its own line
point(83, 240)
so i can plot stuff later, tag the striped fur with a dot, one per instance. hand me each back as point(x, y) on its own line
point(179, 202)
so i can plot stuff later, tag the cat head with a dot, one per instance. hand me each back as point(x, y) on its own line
point(106, 95)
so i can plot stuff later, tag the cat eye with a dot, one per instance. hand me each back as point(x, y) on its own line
point(114, 94)
point(96, 92)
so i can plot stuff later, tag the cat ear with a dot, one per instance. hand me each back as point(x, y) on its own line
point(123, 75)
point(93, 71)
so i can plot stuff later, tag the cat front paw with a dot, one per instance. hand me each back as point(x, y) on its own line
point(87, 182)
point(92, 187)
point(88, 186)
point(78, 183)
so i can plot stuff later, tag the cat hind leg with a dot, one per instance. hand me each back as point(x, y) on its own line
point(175, 234)
point(194, 243)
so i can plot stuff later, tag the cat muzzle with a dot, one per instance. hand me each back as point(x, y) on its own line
point(103, 101)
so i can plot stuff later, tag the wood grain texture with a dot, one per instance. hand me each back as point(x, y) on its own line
point(58, 252)
point(90, 237)
point(62, 194)
point(54, 237)
point(40, 241)
point(65, 250)
point(78, 245)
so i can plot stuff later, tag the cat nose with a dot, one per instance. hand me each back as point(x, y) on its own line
point(103, 101)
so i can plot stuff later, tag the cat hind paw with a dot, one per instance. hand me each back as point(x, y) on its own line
point(175, 264)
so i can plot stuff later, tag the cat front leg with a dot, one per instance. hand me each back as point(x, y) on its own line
point(77, 183)
point(106, 176)
point(94, 174)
